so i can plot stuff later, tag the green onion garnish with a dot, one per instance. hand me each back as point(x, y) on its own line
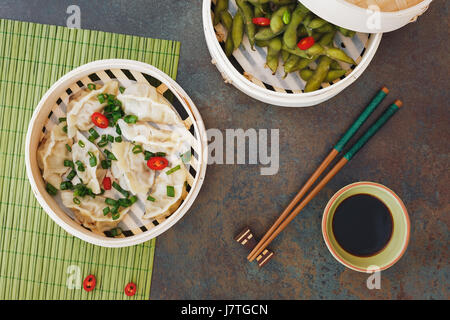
point(66, 185)
point(102, 143)
point(115, 216)
point(111, 202)
point(130, 119)
point(110, 138)
point(106, 164)
point(94, 133)
point(80, 166)
point(62, 120)
point(102, 97)
point(65, 129)
point(91, 86)
point(150, 198)
point(81, 143)
point(118, 131)
point(51, 189)
point(76, 201)
point(91, 138)
point(81, 190)
point(93, 161)
point(116, 186)
point(116, 232)
point(71, 175)
point(106, 211)
point(121, 89)
point(115, 209)
point(160, 154)
point(186, 157)
point(178, 167)
point(137, 149)
point(125, 202)
point(118, 139)
point(110, 155)
point(69, 148)
point(170, 191)
point(148, 155)
point(68, 163)
point(133, 199)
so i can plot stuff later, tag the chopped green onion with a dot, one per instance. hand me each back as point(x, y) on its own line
point(71, 175)
point(110, 155)
point(160, 154)
point(148, 155)
point(62, 120)
point(170, 191)
point(116, 232)
point(94, 133)
point(81, 190)
point(91, 139)
point(133, 199)
point(111, 98)
point(150, 198)
point(118, 131)
point(91, 86)
point(121, 89)
point(137, 149)
point(91, 193)
point(119, 188)
point(106, 164)
point(106, 211)
point(69, 148)
point(81, 143)
point(80, 166)
point(178, 167)
point(130, 119)
point(116, 216)
point(115, 209)
point(111, 202)
point(51, 189)
point(66, 185)
point(102, 191)
point(65, 129)
point(118, 139)
point(125, 202)
point(93, 161)
point(102, 97)
point(102, 143)
point(110, 138)
point(186, 157)
point(68, 163)
point(76, 200)
point(118, 103)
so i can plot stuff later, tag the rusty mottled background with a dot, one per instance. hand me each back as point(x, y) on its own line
point(198, 258)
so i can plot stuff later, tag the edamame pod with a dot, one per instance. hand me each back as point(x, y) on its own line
point(335, 65)
point(328, 27)
point(319, 75)
point(247, 13)
point(327, 39)
point(237, 30)
point(273, 54)
point(290, 64)
point(290, 35)
point(267, 33)
point(276, 22)
point(262, 43)
point(334, 75)
point(338, 54)
point(306, 74)
point(221, 5)
point(346, 32)
point(316, 23)
point(229, 46)
point(226, 19)
point(285, 56)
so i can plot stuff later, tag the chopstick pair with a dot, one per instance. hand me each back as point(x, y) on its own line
point(287, 216)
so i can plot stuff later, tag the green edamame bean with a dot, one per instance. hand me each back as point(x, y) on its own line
point(306, 74)
point(346, 32)
point(328, 27)
point(221, 5)
point(276, 22)
point(327, 38)
point(282, 2)
point(290, 64)
point(335, 65)
point(262, 43)
point(273, 54)
point(229, 46)
point(338, 54)
point(316, 23)
point(315, 50)
point(226, 19)
point(290, 35)
point(247, 13)
point(267, 33)
point(237, 30)
point(303, 63)
point(319, 75)
point(286, 17)
point(285, 56)
point(334, 75)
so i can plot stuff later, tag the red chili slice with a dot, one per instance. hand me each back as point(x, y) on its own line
point(261, 21)
point(130, 289)
point(107, 183)
point(157, 163)
point(306, 43)
point(89, 283)
point(99, 120)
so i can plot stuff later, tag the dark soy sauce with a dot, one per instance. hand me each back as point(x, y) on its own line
point(362, 225)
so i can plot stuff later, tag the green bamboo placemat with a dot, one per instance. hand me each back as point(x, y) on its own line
point(37, 257)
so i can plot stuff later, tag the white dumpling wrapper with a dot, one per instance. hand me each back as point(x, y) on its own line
point(131, 169)
point(51, 155)
point(91, 176)
point(163, 204)
point(90, 212)
point(143, 101)
point(82, 107)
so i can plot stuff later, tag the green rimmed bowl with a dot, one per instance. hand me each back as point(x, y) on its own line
point(396, 246)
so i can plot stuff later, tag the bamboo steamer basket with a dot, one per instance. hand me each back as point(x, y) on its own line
point(53, 105)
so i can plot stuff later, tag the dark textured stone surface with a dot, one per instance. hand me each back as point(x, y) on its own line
point(198, 257)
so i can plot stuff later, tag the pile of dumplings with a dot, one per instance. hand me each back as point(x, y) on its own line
point(69, 147)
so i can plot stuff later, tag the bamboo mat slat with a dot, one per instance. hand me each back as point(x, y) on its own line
point(36, 255)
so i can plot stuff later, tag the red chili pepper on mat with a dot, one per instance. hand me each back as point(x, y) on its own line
point(89, 283)
point(130, 289)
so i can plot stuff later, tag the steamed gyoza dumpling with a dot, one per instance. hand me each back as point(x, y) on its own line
point(89, 212)
point(92, 175)
point(131, 169)
point(166, 202)
point(83, 106)
point(153, 139)
point(51, 155)
point(143, 101)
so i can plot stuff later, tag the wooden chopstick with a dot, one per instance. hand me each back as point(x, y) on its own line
point(347, 157)
point(334, 152)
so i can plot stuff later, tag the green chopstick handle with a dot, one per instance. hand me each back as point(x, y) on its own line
point(361, 119)
point(390, 111)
